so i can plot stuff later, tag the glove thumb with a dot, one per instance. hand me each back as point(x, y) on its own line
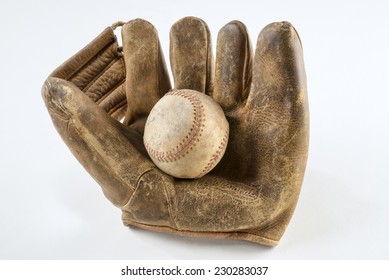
point(111, 152)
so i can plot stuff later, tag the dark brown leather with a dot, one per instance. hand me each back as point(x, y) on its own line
point(252, 193)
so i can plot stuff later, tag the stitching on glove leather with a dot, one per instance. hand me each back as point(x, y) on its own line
point(191, 233)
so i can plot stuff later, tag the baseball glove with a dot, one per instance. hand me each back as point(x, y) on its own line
point(99, 100)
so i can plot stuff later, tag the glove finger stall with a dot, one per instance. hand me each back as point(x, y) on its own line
point(233, 65)
point(147, 78)
point(191, 55)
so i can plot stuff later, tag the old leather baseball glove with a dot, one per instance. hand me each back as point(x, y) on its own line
point(253, 191)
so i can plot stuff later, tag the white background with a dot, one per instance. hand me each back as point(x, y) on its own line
point(50, 208)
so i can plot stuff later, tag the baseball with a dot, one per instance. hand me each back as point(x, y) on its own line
point(186, 134)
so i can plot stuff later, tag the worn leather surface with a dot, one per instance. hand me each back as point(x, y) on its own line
point(252, 193)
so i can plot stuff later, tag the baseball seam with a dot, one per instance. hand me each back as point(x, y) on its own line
point(215, 157)
point(190, 140)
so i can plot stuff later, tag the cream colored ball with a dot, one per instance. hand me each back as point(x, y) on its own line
point(186, 134)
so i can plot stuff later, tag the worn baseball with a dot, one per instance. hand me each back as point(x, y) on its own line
point(186, 133)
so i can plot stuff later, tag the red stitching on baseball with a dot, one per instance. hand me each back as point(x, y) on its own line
point(191, 139)
point(215, 156)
